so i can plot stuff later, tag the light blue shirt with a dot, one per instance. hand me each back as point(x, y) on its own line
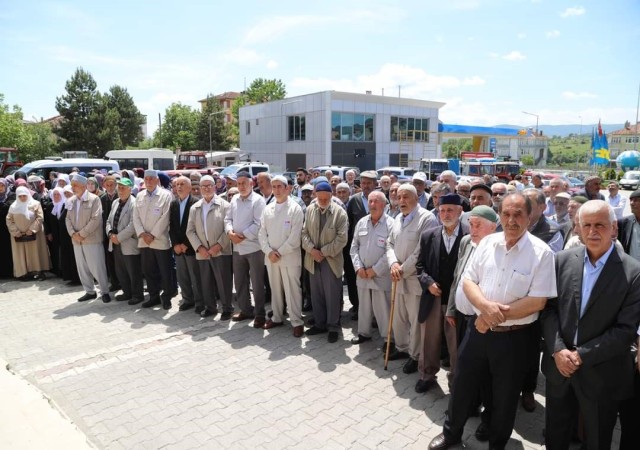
point(590, 274)
point(183, 205)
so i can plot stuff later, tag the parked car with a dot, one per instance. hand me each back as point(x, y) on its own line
point(254, 168)
point(337, 170)
point(630, 180)
point(398, 171)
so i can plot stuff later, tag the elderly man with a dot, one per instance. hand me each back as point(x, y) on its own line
point(123, 244)
point(350, 178)
point(419, 182)
point(629, 227)
point(206, 233)
point(561, 207)
point(84, 225)
point(343, 192)
point(186, 264)
point(357, 208)
point(588, 330)
point(151, 221)
point(591, 188)
point(541, 227)
point(263, 180)
point(324, 235)
point(479, 194)
point(536, 180)
point(402, 254)
point(498, 192)
point(618, 202)
point(435, 269)
point(555, 187)
point(107, 199)
point(385, 185)
point(242, 224)
point(279, 238)
point(463, 189)
point(334, 181)
point(438, 190)
point(449, 177)
point(508, 281)
point(394, 208)
point(368, 250)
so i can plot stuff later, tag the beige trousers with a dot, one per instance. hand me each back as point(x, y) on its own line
point(406, 328)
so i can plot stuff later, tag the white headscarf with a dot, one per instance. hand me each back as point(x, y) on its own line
point(68, 202)
point(64, 177)
point(20, 207)
point(57, 206)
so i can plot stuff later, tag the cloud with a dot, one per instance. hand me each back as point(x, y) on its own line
point(569, 95)
point(514, 56)
point(552, 34)
point(271, 64)
point(570, 12)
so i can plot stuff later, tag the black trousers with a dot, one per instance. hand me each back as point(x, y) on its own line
point(109, 259)
point(128, 273)
point(157, 267)
point(350, 278)
point(497, 359)
point(630, 418)
point(530, 382)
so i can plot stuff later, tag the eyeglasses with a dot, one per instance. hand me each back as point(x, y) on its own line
point(206, 186)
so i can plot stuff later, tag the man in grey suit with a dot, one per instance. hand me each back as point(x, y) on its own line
point(123, 243)
point(588, 330)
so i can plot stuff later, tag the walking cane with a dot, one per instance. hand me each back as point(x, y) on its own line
point(393, 306)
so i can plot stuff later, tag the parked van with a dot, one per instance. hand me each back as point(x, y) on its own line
point(154, 158)
point(43, 167)
point(254, 168)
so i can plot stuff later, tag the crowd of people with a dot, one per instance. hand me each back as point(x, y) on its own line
point(468, 276)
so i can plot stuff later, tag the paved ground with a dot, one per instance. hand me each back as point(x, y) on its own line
point(147, 379)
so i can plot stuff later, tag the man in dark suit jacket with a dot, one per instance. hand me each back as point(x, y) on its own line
point(357, 208)
point(186, 264)
point(588, 330)
point(435, 268)
point(629, 227)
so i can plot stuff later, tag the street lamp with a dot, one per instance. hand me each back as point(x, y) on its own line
point(536, 116)
point(212, 114)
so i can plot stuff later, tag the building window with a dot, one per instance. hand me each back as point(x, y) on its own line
point(412, 129)
point(296, 128)
point(351, 127)
point(399, 159)
point(247, 127)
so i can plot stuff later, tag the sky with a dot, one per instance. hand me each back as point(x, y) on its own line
point(488, 60)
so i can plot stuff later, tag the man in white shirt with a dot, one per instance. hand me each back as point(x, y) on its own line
point(618, 202)
point(508, 281)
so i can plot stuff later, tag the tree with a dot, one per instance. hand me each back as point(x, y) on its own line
point(527, 160)
point(128, 120)
point(178, 128)
point(211, 132)
point(452, 147)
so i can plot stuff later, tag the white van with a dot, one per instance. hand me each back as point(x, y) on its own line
point(43, 167)
point(254, 168)
point(154, 158)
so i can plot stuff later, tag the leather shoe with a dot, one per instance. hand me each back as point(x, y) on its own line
point(135, 301)
point(166, 304)
point(482, 432)
point(359, 339)
point(298, 331)
point(198, 309)
point(332, 337)
point(440, 442)
point(123, 298)
point(410, 366)
point(239, 317)
point(88, 296)
point(186, 306)
point(106, 298)
point(259, 322)
point(151, 302)
point(528, 402)
point(271, 324)
point(225, 316)
point(395, 354)
point(208, 312)
point(315, 330)
point(423, 386)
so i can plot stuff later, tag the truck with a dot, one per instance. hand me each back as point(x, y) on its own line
point(203, 160)
point(9, 161)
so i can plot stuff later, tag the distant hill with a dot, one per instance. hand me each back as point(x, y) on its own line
point(566, 130)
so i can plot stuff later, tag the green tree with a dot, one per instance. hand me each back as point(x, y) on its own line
point(178, 128)
point(527, 160)
point(211, 132)
point(12, 131)
point(260, 90)
point(452, 147)
point(128, 120)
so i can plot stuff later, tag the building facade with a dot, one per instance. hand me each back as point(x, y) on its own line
point(340, 128)
point(628, 138)
point(225, 100)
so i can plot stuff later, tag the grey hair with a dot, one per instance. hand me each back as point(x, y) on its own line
point(447, 173)
point(595, 206)
point(540, 198)
point(377, 194)
point(443, 188)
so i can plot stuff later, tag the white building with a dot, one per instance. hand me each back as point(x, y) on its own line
point(340, 128)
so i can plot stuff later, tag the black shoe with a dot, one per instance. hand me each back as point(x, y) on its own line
point(166, 304)
point(374, 323)
point(311, 321)
point(392, 348)
point(114, 288)
point(123, 298)
point(445, 363)
point(396, 354)
point(226, 316)
point(359, 339)
point(410, 366)
point(106, 298)
point(185, 306)
point(208, 313)
point(482, 432)
point(174, 293)
point(440, 442)
point(306, 308)
point(198, 309)
point(315, 330)
point(332, 337)
point(151, 302)
point(25, 278)
point(135, 301)
point(270, 314)
point(40, 276)
point(528, 402)
point(423, 386)
point(73, 283)
point(88, 296)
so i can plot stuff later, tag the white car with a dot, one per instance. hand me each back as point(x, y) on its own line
point(630, 180)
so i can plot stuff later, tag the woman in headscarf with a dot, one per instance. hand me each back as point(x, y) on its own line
point(221, 185)
point(63, 180)
point(52, 212)
point(6, 198)
point(68, 268)
point(93, 186)
point(28, 246)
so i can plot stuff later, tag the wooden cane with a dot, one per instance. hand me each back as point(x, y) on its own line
point(389, 328)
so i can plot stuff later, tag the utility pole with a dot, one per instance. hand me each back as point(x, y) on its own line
point(160, 128)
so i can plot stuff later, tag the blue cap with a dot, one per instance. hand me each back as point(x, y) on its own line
point(323, 186)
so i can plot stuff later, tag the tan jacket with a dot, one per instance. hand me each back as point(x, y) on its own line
point(126, 231)
point(330, 241)
point(280, 230)
point(89, 219)
point(151, 215)
point(215, 227)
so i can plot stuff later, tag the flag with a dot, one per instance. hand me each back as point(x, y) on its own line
point(599, 146)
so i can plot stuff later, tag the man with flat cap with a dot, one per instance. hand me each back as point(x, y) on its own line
point(151, 221)
point(84, 225)
point(479, 194)
point(435, 269)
